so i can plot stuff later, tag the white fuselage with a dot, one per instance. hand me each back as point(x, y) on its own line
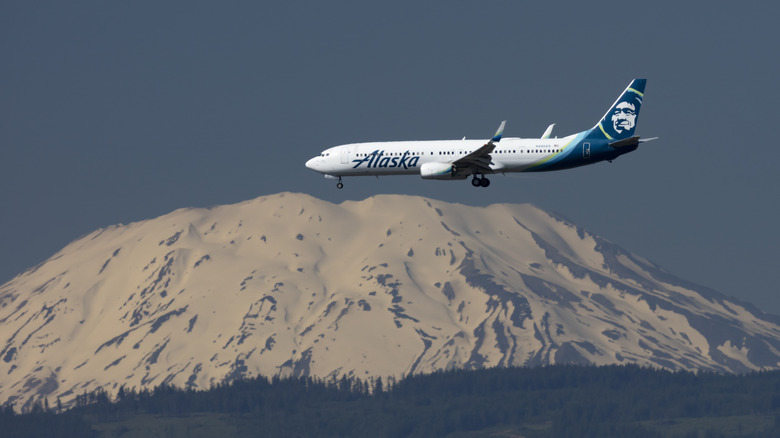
point(406, 157)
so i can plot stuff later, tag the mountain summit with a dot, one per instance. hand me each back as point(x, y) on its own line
point(290, 285)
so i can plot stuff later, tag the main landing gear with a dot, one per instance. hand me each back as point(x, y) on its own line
point(339, 185)
point(480, 181)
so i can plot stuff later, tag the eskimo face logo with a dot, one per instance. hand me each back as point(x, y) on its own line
point(379, 159)
point(624, 117)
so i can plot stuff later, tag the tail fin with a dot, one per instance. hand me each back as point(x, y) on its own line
point(621, 119)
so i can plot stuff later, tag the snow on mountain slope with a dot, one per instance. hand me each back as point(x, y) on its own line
point(390, 286)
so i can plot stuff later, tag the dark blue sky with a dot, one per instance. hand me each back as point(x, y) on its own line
point(114, 112)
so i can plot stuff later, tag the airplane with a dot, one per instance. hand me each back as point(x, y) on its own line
point(612, 137)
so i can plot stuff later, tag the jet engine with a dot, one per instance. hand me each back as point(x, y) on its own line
point(437, 171)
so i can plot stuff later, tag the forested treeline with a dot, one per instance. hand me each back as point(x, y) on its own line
point(554, 401)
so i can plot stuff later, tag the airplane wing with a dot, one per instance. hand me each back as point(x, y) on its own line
point(480, 160)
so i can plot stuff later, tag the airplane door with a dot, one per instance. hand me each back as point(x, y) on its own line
point(586, 151)
point(344, 156)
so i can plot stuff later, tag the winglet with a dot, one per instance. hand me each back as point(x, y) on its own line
point(548, 132)
point(496, 138)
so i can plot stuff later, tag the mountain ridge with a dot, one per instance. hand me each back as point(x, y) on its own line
point(392, 285)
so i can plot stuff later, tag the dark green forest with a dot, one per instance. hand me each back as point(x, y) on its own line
point(554, 401)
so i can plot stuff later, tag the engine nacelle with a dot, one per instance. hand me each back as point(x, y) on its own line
point(437, 171)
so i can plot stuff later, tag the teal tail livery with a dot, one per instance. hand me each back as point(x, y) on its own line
point(620, 121)
point(613, 136)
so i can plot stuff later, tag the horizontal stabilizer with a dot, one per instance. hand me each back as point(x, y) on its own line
point(627, 142)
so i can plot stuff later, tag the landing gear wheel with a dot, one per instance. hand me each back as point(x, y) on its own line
point(339, 185)
point(480, 181)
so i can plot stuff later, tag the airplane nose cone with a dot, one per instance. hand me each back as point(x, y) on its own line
point(312, 164)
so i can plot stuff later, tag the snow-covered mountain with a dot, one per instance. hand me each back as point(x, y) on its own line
point(390, 286)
